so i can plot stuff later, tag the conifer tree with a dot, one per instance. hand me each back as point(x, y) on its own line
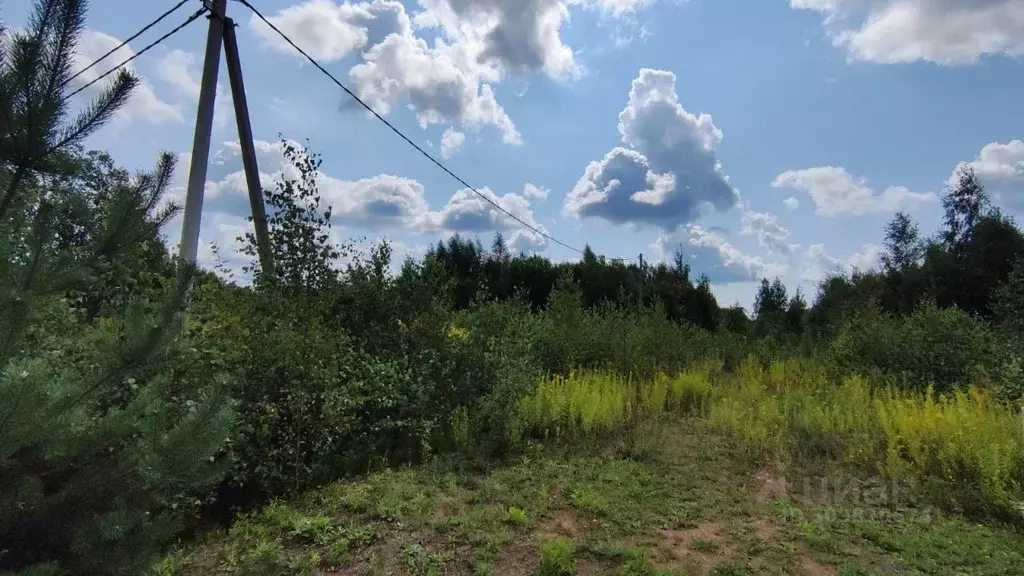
point(97, 459)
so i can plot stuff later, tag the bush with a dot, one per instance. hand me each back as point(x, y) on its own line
point(944, 348)
point(556, 558)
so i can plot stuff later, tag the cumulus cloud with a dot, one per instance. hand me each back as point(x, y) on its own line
point(443, 83)
point(383, 201)
point(766, 228)
point(144, 103)
point(531, 191)
point(1001, 170)
point(708, 252)
point(451, 141)
point(791, 203)
point(835, 191)
point(516, 35)
point(668, 173)
point(820, 264)
point(438, 89)
point(467, 212)
point(331, 31)
point(866, 258)
point(948, 32)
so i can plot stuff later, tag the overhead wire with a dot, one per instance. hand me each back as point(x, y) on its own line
point(142, 31)
point(401, 135)
point(148, 47)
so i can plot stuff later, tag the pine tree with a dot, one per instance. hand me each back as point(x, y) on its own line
point(97, 460)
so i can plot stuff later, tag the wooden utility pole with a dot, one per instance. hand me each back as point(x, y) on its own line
point(221, 32)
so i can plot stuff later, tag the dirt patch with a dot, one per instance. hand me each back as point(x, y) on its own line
point(765, 529)
point(771, 485)
point(517, 559)
point(588, 567)
point(811, 567)
point(564, 523)
point(711, 543)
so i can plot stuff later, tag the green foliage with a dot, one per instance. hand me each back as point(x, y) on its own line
point(300, 237)
point(557, 558)
point(941, 347)
point(116, 419)
point(597, 402)
point(103, 448)
point(515, 515)
point(966, 444)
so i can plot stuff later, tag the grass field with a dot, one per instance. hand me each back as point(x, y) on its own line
point(680, 498)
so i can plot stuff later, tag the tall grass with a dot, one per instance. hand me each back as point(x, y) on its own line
point(590, 402)
point(966, 444)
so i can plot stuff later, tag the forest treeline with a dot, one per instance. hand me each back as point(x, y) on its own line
point(133, 409)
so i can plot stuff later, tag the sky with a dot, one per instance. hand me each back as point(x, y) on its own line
point(762, 138)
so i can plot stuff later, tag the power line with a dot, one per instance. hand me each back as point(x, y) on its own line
point(126, 61)
point(130, 38)
point(402, 135)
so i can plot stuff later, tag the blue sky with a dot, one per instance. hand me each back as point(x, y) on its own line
point(767, 137)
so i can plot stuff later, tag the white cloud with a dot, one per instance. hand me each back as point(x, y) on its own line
point(218, 243)
point(465, 211)
point(438, 88)
point(1001, 170)
point(708, 252)
point(516, 35)
point(835, 191)
point(614, 7)
point(180, 70)
point(867, 258)
point(670, 170)
point(791, 203)
point(144, 103)
point(331, 31)
point(948, 32)
point(820, 264)
point(451, 141)
point(769, 233)
point(531, 191)
point(380, 202)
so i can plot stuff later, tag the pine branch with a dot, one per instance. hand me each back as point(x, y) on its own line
point(99, 111)
point(164, 173)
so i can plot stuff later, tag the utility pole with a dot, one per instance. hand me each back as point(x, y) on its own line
point(201, 139)
point(252, 172)
point(222, 31)
point(640, 286)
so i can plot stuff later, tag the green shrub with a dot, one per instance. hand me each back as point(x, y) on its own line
point(515, 515)
point(557, 558)
point(941, 347)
